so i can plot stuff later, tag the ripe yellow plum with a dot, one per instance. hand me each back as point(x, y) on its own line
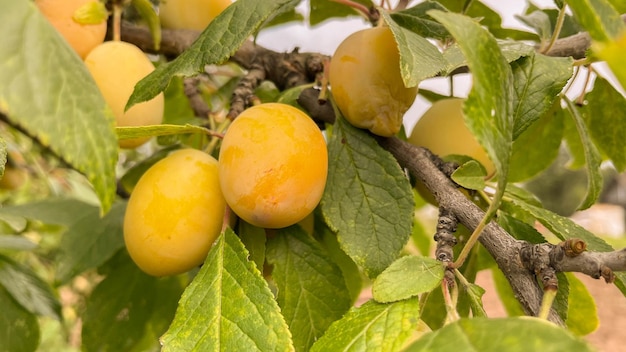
point(442, 129)
point(117, 67)
point(82, 37)
point(366, 83)
point(273, 165)
point(174, 213)
point(190, 14)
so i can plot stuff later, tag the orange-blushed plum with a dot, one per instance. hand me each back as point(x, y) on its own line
point(117, 67)
point(83, 37)
point(175, 213)
point(190, 14)
point(443, 131)
point(366, 83)
point(273, 165)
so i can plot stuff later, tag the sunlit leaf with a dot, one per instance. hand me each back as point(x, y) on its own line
point(372, 327)
point(228, 306)
point(419, 59)
point(593, 159)
point(407, 277)
point(605, 115)
point(46, 90)
point(582, 315)
point(502, 334)
point(598, 17)
point(538, 81)
point(416, 19)
point(312, 292)
point(368, 200)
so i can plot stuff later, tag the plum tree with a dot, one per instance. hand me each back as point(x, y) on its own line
point(306, 235)
point(366, 84)
point(259, 176)
point(83, 37)
point(116, 67)
point(190, 14)
point(174, 213)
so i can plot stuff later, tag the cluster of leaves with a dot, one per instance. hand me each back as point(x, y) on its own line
point(291, 290)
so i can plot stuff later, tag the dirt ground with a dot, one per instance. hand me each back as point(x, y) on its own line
point(610, 303)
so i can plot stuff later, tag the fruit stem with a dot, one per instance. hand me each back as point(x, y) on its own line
point(216, 136)
point(117, 21)
point(355, 5)
point(557, 31)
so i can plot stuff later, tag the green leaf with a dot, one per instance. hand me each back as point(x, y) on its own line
point(502, 334)
point(538, 146)
point(470, 175)
point(488, 109)
point(57, 211)
point(222, 37)
point(90, 241)
point(19, 329)
point(417, 20)
point(120, 309)
point(372, 327)
point(582, 315)
point(132, 176)
point(511, 51)
point(419, 59)
point(563, 227)
point(368, 200)
point(254, 239)
point(151, 18)
point(598, 17)
point(46, 90)
point(475, 294)
point(605, 115)
point(573, 142)
point(312, 293)
point(228, 306)
point(512, 306)
point(28, 289)
point(592, 158)
point(158, 130)
point(407, 277)
point(3, 156)
point(538, 81)
point(93, 12)
point(16, 242)
point(487, 17)
point(540, 22)
point(321, 10)
point(519, 229)
point(350, 271)
point(612, 52)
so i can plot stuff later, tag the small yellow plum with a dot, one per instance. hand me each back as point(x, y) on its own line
point(366, 83)
point(190, 14)
point(83, 37)
point(443, 131)
point(117, 67)
point(273, 165)
point(174, 213)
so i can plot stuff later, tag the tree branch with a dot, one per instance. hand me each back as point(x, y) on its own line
point(295, 68)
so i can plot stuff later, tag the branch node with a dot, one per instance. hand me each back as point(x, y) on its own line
point(446, 227)
point(573, 247)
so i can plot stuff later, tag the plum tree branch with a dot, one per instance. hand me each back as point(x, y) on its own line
point(290, 69)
